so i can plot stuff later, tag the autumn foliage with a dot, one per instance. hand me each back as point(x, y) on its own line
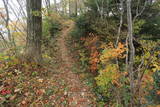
point(91, 43)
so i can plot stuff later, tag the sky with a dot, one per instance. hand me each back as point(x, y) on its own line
point(15, 5)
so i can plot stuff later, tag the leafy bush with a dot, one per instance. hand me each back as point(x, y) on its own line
point(51, 25)
point(110, 78)
point(82, 27)
point(155, 92)
point(104, 28)
point(152, 22)
point(152, 27)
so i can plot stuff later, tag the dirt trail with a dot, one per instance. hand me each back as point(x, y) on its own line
point(77, 94)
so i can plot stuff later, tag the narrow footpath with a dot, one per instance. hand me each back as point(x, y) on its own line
point(75, 93)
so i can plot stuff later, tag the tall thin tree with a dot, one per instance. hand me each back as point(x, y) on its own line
point(34, 30)
point(131, 52)
point(55, 6)
point(7, 19)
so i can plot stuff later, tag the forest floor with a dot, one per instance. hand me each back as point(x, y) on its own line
point(54, 85)
point(77, 93)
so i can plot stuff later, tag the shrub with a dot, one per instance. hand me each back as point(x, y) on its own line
point(104, 28)
point(52, 24)
point(82, 27)
point(110, 77)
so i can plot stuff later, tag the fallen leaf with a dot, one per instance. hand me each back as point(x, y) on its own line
point(17, 90)
point(24, 102)
point(158, 92)
point(40, 80)
point(26, 94)
point(13, 97)
point(40, 92)
point(65, 93)
point(2, 99)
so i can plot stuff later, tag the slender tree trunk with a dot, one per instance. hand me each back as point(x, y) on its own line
point(65, 7)
point(5, 2)
point(55, 5)
point(70, 10)
point(76, 8)
point(120, 22)
point(4, 40)
point(34, 31)
point(63, 3)
point(131, 51)
point(47, 2)
point(102, 9)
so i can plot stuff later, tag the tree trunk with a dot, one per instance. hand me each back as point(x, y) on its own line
point(5, 2)
point(55, 5)
point(120, 23)
point(70, 12)
point(48, 4)
point(34, 31)
point(131, 51)
point(76, 8)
